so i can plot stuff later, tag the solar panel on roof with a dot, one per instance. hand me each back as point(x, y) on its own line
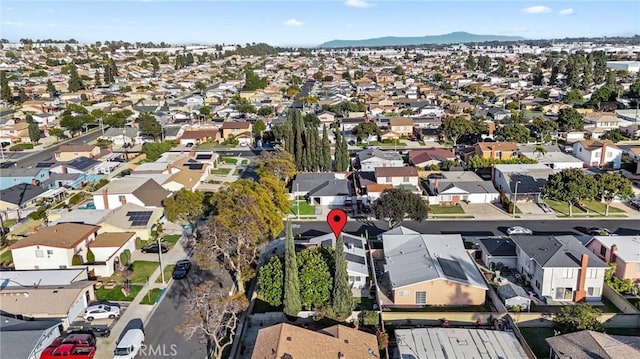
point(139, 218)
point(195, 166)
point(452, 268)
point(204, 156)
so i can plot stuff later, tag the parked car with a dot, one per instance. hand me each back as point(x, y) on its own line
point(519, 230)
point(69, 351)
point(130, 344)
point(101, 311)
point(105, 302)
point(181, 269)
point(154, 248)
point(599, 231)
point(635, 203)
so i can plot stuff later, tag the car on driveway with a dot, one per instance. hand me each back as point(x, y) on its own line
point(154, 248)
point(519, 230)
point(635, 203)
point(599, 231)
point(181, 269)
point(101, 311)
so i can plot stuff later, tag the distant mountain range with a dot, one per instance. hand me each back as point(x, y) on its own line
point(451, 38)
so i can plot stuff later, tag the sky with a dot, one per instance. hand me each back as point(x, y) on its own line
point(309, 22)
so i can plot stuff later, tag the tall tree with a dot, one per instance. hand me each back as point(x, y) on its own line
point(513, 132)
point(613, 186)
point(326, 150)
point(611, 80)
point(453, 128)
point(278, 164)
point(185, 206)
point(587, 74)
point(292, 299)
point(5, 91)
point(570, 120)
point(75, 82)
point(298, 128)
point(271, 281)
point(51, 89)
point(394, 205)
point(570, 186)
point(599, 68)
point(502, 67)
point(555, 71)
point(583, 316)
point(34, 133)
point(470, 62)
point(155, 65)
point(315, 279)
point(342, 296)
point(538, 76)
point(57, 132)
point(149, 126)
point(484, 63)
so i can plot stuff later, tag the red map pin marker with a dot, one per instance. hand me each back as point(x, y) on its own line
point(337, 219)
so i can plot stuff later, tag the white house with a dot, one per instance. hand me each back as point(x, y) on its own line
point(53, 247)
point(107, 248)
point(325, 189)
point(144, 192)
point(369, 159)
point(551, 157)
point(398, 176)
point(560, 269)
point(598, 153)
point(452, 187)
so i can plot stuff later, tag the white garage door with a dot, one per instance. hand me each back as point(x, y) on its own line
point(77, 308)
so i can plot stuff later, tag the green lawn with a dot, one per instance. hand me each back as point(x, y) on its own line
point(595, 208)
point(116, 294)
point(237, 172)
point(443, 209)
point(142, 270)
point(168, 270)
point(151, 296)
point(229, 160)
point(170, 240)
point(220, 171)
point(305, 208)
point(6, 257)
point(535, 338)
point(244, 162)
point(8, 223)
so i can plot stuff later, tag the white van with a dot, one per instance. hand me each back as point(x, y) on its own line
point(130, 344)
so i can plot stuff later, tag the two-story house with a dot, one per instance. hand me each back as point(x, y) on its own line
point(624, 251)
point(66, 153)
point(497, 150)
point(16, 133)
point(17, 175)
point(54, 247)
point(235, 129)
point(144, 192)
point(400, 177)
point(369, 159)
point(430, 156)
point(403, 126)
point(598, 153)
point(560, 268)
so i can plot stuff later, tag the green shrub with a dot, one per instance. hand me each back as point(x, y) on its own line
point(140, 243)
point(125, 257)
point(76, 260)
point(76, 198)
point(370, 317)
point(91, 258)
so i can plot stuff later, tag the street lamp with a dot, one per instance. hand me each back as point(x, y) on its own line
point(515, 196)
point(297, 203)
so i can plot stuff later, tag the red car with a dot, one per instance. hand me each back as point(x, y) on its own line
point(69, 351)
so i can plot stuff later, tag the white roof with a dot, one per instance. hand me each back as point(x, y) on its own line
point(52, 192)
point(53, 277)
point(628, 246)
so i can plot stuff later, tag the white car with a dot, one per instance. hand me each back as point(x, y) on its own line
point(101, 311)
point(519, 230)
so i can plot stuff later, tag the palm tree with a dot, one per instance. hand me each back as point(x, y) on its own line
point(539, 151)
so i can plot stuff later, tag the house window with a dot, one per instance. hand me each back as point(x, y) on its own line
point(567, 273)
point(403, 293)
point(63, 267)
point(564, 293)
point(593, 291)
point(603, 250)
point(592, 273)
point(405, 179)
point(421, 297)
point(388, 179)
point(49, 252)
point(121, 198)
point(39, 253)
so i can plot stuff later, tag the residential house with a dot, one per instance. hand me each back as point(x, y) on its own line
point(601, 120)
point(131, 218)
point(200, 136)
point(497, 150)
point(369, 159)
point(80, 165)
point(19, 196)
point(400, 177)
point(54, 247)
point(15, 133)
point(107, 248)
point(427, 134)
point(598, 153)
point(552, 156)
point(26, 338)
point(453, 187)
point(374, 191)
point(355, 254)
point(44, 119)
point(286, 340)
point(430, 269)
point(560, 269)
point(66, 153)
point(496, 252)
point(587, 344)
point(325, 189)
point(347, 124)
point(521, 182)
point(235, 129)
point(141, 191)
point(514, 296)
point(326, 118)
point(427, 343)
point(624, 251)
point(403, 126)
point(427, 157)
point(120, 136)
point(18, 175)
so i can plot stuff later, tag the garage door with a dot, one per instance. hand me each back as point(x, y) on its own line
point(77, 308)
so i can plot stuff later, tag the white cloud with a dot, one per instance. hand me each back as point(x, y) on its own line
point(293, 22)
point(567, 11)
point(131, 22)
point(538, 9)
point(358, 3)
point(11, 23)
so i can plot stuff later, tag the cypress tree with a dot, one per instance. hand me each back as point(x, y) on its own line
point(342, 296)
point(306, 164)
point(326, 150)
point(338, 152)
point(292, 301)
point(298, 145)
point(345, 154)
point(317, 150)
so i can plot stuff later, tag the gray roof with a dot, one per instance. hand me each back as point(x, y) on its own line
point(497, 246)
point(593, 345)
point(20, 193)
point(468, 187)
point(20, 172)
point(320, 184)
point(81, 163)
point(18, 338)
point(367, 154)
point(43, 277)
point(556, 252)
point(424, 343)
point(511, 290)
point(85, 216)
point(114, 132)
point(553, 155)
point(531, 177)
point(413, 258)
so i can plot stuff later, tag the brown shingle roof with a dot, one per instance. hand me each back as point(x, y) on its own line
point(428, 154)
point(236, 124)
point(377, 188)
point(401, 121)
point(396, 172)
point(587, 344)
point(75, 148)
point(151, 194)
point(596, 144)
point(111, 240)
point(276, 341)
point(65, 235)
point(499, 146)
point(200, 134)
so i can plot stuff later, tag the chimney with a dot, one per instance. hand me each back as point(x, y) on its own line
point(493, 151)
point(63, 169)
point(105, 198)
point(192, 153)
point(581, 293)
point(34, 182)
point(169, 168)
point(111, 148)
point(123, 200)
point(612, 253)
point(603, 155)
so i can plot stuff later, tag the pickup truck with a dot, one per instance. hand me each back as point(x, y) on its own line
point(69, 351)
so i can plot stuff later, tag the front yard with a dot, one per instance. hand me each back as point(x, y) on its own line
point(116, 294)
point(6, 257)
point(168, 270)
point(220, 171)
point(141, 271)
point(444, 209)
point(305, 208)
point(594, 208)
point(170, 240)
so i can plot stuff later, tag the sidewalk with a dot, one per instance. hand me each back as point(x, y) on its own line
point(137, 311)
